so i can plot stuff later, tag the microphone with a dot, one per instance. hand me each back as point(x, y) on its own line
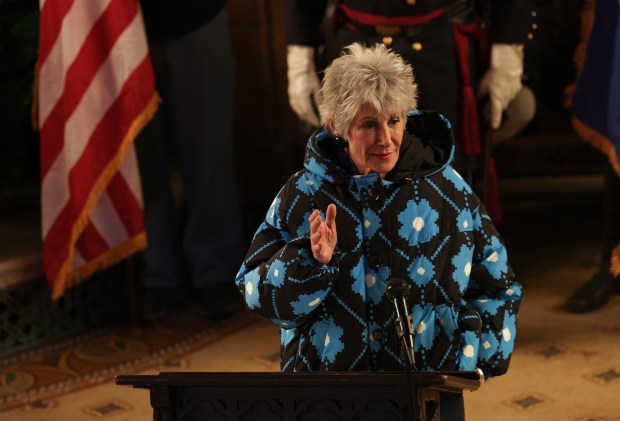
point(397, 292)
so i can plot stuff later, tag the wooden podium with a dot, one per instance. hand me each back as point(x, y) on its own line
point(325, 396)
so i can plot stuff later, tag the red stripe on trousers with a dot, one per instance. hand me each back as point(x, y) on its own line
point(470, 134)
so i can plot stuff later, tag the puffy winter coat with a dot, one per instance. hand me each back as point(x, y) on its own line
point(421, 223)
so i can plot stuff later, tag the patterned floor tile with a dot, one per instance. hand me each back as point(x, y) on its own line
point(40, 405)
point(272, 360)
point(606, 376)
point(551, 352)
point(174, 364)
point(107, 408)
point(595, 419)
point(612, 330)
point(528, 402)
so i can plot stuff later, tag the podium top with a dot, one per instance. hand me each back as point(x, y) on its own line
point(453, 381)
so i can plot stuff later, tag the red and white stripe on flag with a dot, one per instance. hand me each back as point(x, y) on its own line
point(95, 92)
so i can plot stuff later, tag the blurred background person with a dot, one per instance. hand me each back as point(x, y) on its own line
point(461, 50)
point(200, 248)
point(596, 119)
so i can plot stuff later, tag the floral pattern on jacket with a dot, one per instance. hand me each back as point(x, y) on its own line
point(421, 223)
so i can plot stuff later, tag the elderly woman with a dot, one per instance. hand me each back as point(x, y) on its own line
point(377, 200)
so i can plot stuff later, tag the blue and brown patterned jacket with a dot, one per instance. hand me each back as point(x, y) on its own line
point(421, 223)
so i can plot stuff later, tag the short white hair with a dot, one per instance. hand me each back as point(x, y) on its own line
point(365, 75)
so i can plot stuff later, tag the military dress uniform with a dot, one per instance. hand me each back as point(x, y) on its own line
point(440, 43)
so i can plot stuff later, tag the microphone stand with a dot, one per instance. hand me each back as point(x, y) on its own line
point(413, 394)
point(397, 291)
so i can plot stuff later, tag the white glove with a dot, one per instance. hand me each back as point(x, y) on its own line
point(503, 79)
point(303, 82)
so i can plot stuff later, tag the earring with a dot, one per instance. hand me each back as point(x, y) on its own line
point(340, 141)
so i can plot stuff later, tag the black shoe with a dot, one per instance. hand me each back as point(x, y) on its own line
point(594, 294)
point(156, 302)
point(220, 301)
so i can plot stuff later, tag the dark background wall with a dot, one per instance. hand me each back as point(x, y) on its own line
point(269, 143)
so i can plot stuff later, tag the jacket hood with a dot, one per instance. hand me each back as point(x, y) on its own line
point(427, 148)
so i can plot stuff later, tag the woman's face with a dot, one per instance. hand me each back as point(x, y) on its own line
point(374, 140)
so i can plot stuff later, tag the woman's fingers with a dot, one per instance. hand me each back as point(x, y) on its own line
point(330, 216)
point(323, 233)
point(315, 220)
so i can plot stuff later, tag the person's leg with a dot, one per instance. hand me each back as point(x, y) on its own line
point(599, 289)
point(611, 216)
point(161, 261)
point(203, 122)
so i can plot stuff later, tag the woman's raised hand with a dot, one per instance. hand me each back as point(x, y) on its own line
point(323, 235)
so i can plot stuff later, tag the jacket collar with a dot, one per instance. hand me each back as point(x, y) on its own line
point(427, 148)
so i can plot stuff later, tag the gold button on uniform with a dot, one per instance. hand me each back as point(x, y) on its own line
point(416, 46)
point(387, 41)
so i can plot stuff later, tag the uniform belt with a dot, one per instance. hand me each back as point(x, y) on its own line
point(386, 30)
point(378, 25)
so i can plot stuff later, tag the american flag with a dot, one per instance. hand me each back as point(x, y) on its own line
point(95, 92)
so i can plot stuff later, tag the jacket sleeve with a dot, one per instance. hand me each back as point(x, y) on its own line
point(511, 21)
point(280, 279)
point(495, 295)
point(303, 20)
